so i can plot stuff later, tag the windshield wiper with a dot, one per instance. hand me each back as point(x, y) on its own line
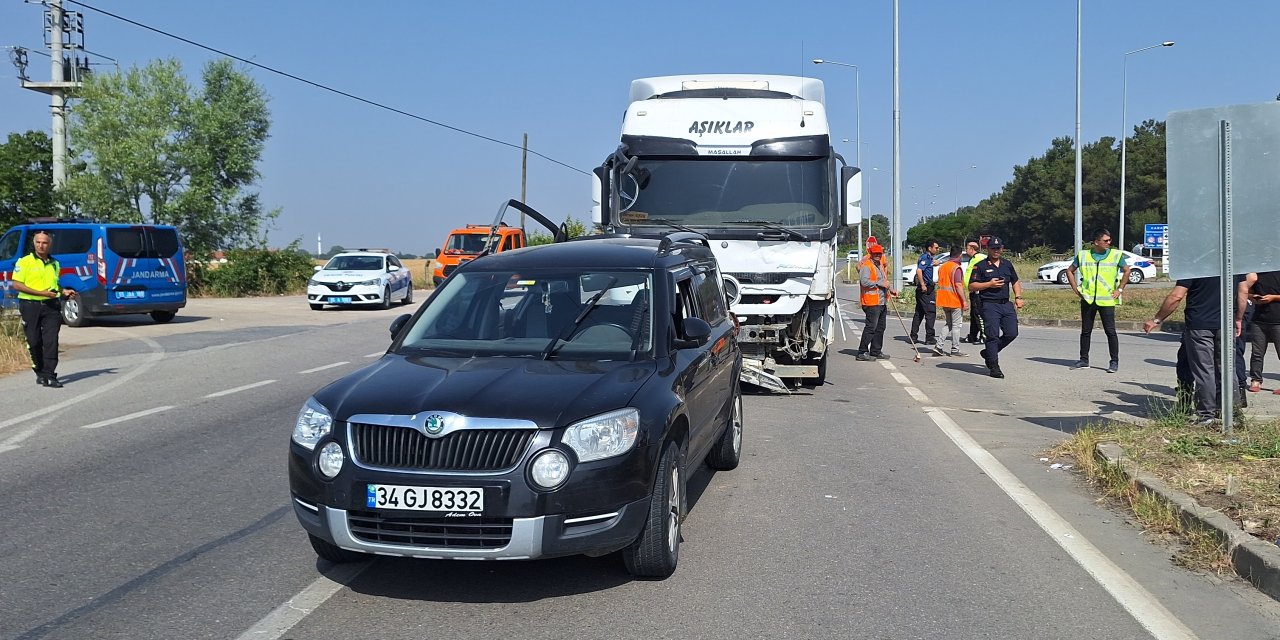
point(564, 334)
point(793, 234)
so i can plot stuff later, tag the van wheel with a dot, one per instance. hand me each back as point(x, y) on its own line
point(73, 314)
point(162, 317)
point(335, 554)
point(655, 553)
point(408, 296)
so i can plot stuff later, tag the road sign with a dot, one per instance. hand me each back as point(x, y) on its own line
point(1156, 236)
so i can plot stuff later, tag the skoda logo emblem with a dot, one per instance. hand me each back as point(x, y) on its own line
point(435, 424)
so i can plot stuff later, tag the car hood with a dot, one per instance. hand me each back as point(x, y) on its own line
point(345, 275)
point(551, 393)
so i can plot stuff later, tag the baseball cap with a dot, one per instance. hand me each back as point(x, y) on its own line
point(995, 242)
point(874, 247)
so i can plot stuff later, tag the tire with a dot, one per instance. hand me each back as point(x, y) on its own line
point(317, 307)
point(655, 553)
point(408, 296)
point(1135, 276)
point(335, 554)
point(386, 297)
point(727, 451)
point(73, 314)
point(161, 317)
point(1062, 277)
point(822, 373)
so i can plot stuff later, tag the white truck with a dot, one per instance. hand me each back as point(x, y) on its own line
point(745, 160)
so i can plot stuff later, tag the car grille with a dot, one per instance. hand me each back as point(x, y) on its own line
point(449, 268)
point(338, 286)
point(468, 450)
point(762, 278)
point(477, 533)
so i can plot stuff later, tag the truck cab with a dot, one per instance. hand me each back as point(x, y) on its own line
point(465, 243)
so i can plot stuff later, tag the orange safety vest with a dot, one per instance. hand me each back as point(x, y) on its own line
point(871, 296)
point(948, 293)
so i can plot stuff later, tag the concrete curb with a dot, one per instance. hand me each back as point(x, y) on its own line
point(1253, 559)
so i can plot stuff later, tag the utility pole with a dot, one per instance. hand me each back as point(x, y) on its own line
point(64, 31)
point(524, 175)
point(898, 245)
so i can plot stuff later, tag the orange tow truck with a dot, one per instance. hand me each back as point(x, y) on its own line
point(467, 242)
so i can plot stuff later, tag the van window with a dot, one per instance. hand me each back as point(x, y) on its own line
point(9, 245)
point(465, 242)
point(164, 242)
point(70, 240)
point(127, 242)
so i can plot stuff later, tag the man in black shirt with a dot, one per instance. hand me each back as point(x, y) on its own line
point(1264, 291)
point(993, 279)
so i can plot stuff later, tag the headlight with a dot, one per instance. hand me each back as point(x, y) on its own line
point(369, 283)
point(314, 422)
point(330, 459)
point(603, 436)
point(549, 469)
point(312, 282)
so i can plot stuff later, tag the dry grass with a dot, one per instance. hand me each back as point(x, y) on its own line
point(13, 346)
point(1198, 462)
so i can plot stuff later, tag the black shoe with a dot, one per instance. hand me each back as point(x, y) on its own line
point(52, 382)
point(880, 356)
point(996, 372)
point(1113, 367)
point(40, 380)
point(862, 357)
point(1080, 364)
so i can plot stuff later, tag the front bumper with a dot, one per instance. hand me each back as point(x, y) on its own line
point(320, 294)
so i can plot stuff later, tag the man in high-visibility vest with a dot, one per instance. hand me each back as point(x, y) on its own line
point(35, 277)
point(1098, 275)
point(951, 300)
point(975, 303)
point(873, 283)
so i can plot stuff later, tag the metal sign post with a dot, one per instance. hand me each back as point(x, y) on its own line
point(1227, 326)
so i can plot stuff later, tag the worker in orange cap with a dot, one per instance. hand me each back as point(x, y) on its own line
point(873, 282)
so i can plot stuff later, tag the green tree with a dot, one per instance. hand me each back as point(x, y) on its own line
point(1146, 196)
point(154, 150)
point(574, 226)
point(26, 177)
point(334, 250)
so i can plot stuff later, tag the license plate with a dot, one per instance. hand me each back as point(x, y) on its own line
point(130, 294)
point(343, 300)
point(391, 496)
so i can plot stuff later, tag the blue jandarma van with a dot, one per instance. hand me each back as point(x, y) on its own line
point(115, 268)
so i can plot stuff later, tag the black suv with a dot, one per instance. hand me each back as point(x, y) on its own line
point(548, 401)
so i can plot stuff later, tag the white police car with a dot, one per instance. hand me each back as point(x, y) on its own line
point(1140, 268)
point(355, 278)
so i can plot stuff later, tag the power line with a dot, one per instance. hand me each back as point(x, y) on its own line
point(321, 86)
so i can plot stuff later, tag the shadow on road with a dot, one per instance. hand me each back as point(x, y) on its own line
point(1064, 424)
point(965, 367)
point(1160, 363)
point(81, 375)
point(1159, 336)
point(139, 319)
point(1056, 361)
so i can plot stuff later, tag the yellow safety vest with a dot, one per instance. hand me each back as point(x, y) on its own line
point(1098, 279)
point(968, 268)
point(36, 274)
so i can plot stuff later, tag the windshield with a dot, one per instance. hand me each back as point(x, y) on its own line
point(519, 313)
point(714, 192)
point(354, 263)
point(465, 243)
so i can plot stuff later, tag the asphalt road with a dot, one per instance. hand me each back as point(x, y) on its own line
point(148, 499)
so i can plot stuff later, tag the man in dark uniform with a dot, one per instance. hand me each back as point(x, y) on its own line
point(993, 279)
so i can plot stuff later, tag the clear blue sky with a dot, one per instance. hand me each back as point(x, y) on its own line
point(982, 83)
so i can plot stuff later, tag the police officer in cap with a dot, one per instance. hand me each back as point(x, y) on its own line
point(993, 279)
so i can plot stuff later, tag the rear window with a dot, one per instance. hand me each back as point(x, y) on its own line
point(131, 242)
point(164, 242)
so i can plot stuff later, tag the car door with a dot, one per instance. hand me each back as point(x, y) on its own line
point(400, 279)
point(693, 364)
point(721, 351)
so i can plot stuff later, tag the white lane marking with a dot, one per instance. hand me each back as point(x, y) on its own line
point(900, 378)
point(138, 414)
point(285, 616)
point(1135, 599)
point(376, 354)
point(218, 394)
point(157, 354)
point(917, 394)
point(327, 366)
point(888, 365)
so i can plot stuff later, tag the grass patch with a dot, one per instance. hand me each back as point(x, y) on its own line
point(13, 345)
point(1060, 303)
point(1201, 463)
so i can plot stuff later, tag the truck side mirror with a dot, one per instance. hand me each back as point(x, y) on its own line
point(437, 252)
point(850, 194)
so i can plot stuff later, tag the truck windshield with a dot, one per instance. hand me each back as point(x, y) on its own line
point(721, 191)
point(465, 243)
point(601, 315)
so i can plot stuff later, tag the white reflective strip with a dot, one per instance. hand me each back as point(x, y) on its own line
point(246, 387)
point(1135, 599)
point(131, 416)
point(327, 366)
point(604, 516)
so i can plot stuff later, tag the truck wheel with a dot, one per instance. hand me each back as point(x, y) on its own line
point(822, 369)
point(73, 314)
point(161, 317)
point(335, 554)
point(655, 553)
point(727, 452)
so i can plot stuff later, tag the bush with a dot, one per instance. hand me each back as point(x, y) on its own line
point(1039, 253)
point(253, 272)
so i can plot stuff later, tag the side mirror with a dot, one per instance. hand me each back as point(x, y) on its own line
point(392, 269)
point(398, 324)
point(851, 194)
point(437, 253)
point(318, 267)
point(697, 330)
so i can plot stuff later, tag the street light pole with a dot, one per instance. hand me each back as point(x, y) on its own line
point(857, 102)
point(1079, 204)
point(956, 207)
point(1124, 124)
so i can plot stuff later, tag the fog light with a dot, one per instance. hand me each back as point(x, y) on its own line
point(331, 460)
point(549, 469)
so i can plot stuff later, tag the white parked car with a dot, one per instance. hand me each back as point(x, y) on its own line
point(1140, 268)
point(853, 256)
point(355, 278)
point(909, 271)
